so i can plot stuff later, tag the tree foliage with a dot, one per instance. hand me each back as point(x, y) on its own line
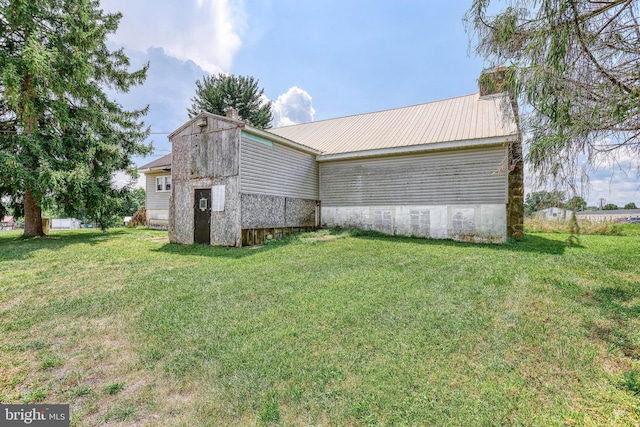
point(217, 93)
point(577, 203)
point(576, 65)
point(62, 137)
point(610, 207)
point(630, 205)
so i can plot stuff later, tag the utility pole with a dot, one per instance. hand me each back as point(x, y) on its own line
point(601, 203)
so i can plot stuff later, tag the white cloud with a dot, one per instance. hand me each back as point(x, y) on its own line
point(121, 178)
point(292, 107)
point(205, 31)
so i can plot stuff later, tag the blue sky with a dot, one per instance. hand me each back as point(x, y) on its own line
point(315, 60)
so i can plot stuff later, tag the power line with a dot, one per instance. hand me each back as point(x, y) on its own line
point(13, 132)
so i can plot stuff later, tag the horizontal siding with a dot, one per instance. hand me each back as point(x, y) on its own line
point(451, 177)
point(277, 170)
point(156, 199)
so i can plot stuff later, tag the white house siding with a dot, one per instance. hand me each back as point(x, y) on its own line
point(460, 195)
point(157, 202)
point(277, 170)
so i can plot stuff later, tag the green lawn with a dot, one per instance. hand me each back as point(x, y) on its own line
point(327, 328)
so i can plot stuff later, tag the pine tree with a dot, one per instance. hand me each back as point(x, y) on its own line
point(217, 93)
point(62, 137)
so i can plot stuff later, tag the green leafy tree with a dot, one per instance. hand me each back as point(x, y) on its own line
point(577, 203)
point(575, 68)
point(610, 207)
point(631, 205)
point(217, 93)
point(63, 137)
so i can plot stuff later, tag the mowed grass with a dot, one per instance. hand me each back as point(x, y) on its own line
point(327, 328)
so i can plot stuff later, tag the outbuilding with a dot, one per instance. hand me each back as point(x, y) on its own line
point(236, 185)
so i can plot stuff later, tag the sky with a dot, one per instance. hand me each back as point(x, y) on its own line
point(315, 60)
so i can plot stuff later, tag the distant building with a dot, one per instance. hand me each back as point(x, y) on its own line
point(8, 223)
point(554, 213)
point(65, 224)
point(620, 215)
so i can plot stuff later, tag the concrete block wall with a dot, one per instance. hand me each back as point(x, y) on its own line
point(469, 223)
point(265, 211)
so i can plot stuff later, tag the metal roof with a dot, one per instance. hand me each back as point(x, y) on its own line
point(463, 118)
point(163, 163)
point(611, 212)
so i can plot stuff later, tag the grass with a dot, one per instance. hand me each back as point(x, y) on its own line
point(535, 224)
point(326, 328)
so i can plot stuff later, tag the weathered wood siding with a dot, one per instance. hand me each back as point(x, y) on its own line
point(156, 199)
point(277, 170)
point(436, 178)
point(204, 157)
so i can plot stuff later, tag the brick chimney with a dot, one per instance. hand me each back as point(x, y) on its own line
point(232, 113)
point(491, 81)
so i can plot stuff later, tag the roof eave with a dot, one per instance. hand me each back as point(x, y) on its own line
point(205, 114)
point(165, 168)
point(412, 149)
point(281, 140)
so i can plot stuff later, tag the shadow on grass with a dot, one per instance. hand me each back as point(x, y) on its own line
point(213, 251)
point(531, 243)
point(16, 246)
point(617, 305)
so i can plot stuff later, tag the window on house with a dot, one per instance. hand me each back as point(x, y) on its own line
point(163, 183)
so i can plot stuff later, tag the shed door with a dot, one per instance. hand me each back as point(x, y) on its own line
point(202, 216)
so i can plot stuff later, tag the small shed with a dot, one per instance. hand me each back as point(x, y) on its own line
point(235, 185)
point(65, 224)
point(554, 214)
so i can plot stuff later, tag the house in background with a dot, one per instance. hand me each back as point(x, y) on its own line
point(157, 189)
point(448, 169)
point(8, 223)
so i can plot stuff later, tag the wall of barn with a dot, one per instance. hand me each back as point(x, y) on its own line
point(204, 157)
point(456, 194)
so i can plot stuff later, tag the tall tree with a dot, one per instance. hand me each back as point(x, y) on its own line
point(576, 64)
point(217, 93)
point(63, 138)
point(577, 203)
point(630, 205)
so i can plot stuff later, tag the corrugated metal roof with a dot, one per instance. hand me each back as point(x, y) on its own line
point(457, 119)
point(163, 162)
